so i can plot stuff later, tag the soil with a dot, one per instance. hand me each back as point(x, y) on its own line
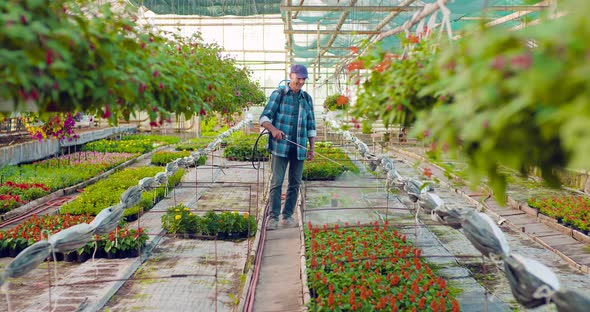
point(14, 138)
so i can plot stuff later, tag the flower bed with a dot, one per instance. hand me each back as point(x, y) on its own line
point(368, 268)
point(131, 144)
point(107, 192)
point(117, 244)
point(163, 158)
point(572, 211)
point(20, 184)
point(323, 169)
point(226, 225)
point(13, 194)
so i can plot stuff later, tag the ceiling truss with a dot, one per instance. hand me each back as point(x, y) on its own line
point(292, 12)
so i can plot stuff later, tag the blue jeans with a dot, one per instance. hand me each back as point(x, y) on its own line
point(279, 167)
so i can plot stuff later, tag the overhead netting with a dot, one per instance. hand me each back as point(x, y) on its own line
point(323, 31)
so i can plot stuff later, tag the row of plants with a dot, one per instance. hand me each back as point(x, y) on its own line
point(239, 147)
point(107, 192)
point(489, 97)
point(573, 211)
point(136, 143)
point(162, 158)
point(323, 169)
point(23, 183)
point(225, 225)
point(370, 268)
point(193, 144)
point(120, 243)
point(14, 194)
point(211, 125)
point(115, 67)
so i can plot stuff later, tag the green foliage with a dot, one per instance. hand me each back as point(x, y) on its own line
point(193, 144)
point(324, 144)
point(226, 225)
point(210, 126)
point(63, 171)
point(120, 241)
point(491, 100)
point(506, 110)
point(107, 192)
point(162, 158)
point(127, 146)
point(36, 228)
point(136, 143)
point(400, 103)
point(155, 139)
point(60, 58)
point(239, 147)
point(336, 102)
point(323, 169)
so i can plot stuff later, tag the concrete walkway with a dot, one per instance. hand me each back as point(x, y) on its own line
point(279, 284)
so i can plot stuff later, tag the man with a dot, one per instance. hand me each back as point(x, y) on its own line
point(289, 118)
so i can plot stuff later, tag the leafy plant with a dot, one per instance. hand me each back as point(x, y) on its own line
point(114, 66)
point(162, 158)
point(20, 184)
point(225, 225)
point(131, 144)
point(38, 228)
point(506, 111)
point(336, 102)
point(406, 75)
point(210, 126)
point(107, 192)
point(322, 169)
point(193, 144)
point(240, 146)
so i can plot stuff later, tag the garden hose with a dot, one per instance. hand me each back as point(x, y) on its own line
point(265, 131)
point(256, 146)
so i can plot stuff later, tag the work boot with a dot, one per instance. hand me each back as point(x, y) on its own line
point(288, 222)
point(272, 224)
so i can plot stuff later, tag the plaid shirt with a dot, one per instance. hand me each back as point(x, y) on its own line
point(285, 116)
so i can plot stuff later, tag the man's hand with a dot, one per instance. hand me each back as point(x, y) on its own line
point(277, 134)
point(310, 155)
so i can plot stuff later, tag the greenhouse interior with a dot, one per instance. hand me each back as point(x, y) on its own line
point(436, 154)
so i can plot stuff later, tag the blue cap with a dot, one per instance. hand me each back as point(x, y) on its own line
point(299, 70)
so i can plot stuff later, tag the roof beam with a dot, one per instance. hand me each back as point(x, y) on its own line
point(331, 31)
point(517, 15)
point(393, 8)
point(426, 11)
point(341, 21)
point(297, 12)
point(289, 27)
point(199, 24)
point(336, 8)
point(535, 7)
